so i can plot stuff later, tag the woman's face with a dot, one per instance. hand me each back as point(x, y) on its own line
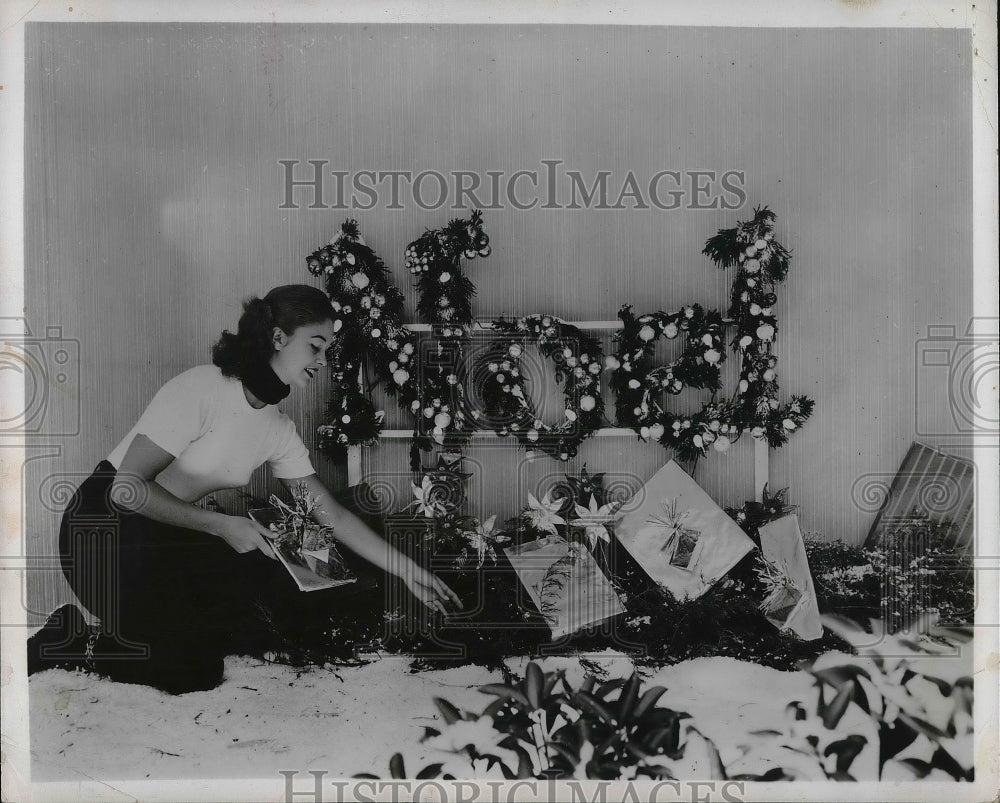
point(298, 356)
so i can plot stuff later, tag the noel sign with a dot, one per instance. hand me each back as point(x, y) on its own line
point(430, 381)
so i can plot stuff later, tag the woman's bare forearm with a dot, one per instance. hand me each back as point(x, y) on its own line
point(150, 499)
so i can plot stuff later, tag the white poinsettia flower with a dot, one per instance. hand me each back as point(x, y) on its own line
point(544, 515)
point(594, 519)
point(424, 500)
point(483, 540)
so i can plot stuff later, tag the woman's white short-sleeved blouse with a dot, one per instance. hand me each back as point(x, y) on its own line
point(218, 439)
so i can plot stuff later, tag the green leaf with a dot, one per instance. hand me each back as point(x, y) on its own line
point(606, 688)
point(550, 682)
point(449, 713)
point(717, 772)
point(524, 766)
point(837, 676)
point(648, 700)
point(846, 750)
point(627, 700)
point(920, 769)
point(503, 690)
point(930, 731)
point(943, 686)
point(572, 757)
point(591, 704)
point(533, 683)
point(396, 766)
point(494, 708)
point(833, 713)
point(638, 752)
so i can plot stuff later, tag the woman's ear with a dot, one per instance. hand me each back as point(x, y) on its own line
point(278, 338)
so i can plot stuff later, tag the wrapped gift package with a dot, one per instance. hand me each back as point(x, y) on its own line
point(679, 536)
point(565, 583)
point(795, 607)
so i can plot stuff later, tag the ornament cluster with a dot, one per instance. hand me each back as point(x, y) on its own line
point(507, 404)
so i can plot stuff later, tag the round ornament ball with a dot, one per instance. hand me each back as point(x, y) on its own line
point(345, 418)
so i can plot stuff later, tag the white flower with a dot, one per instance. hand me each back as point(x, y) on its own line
point(594, 520)
point(482, 540)
point(611, 362)
point(408, 348)
point(722, 443)
point(745, 341)
point(444, 277)
point(359, 280)
point(399, 376)
point(634, 384)
point(587, 403)
point(424, 501)
point(707, 340)
point(712, 356)
point(514, 350)
point(656, 432)
point(670, 330)
point(788, 424)
point(570, 415)
point(689, 312)
point(646, 333)
point(543, 514)
point(337, 325)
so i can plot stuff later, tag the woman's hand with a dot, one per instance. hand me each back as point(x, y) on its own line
point(429, 590)
point(244, 535)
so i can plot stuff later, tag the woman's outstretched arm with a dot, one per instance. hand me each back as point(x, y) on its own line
point(357, 536)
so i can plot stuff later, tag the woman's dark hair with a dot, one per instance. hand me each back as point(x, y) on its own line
point(287, 307)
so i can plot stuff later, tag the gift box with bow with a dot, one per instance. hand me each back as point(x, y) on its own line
point(678, 535)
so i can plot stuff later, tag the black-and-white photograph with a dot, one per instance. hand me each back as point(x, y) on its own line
point(562, 401)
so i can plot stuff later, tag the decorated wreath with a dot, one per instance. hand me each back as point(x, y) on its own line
point(638, 386)
point(578, 364)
